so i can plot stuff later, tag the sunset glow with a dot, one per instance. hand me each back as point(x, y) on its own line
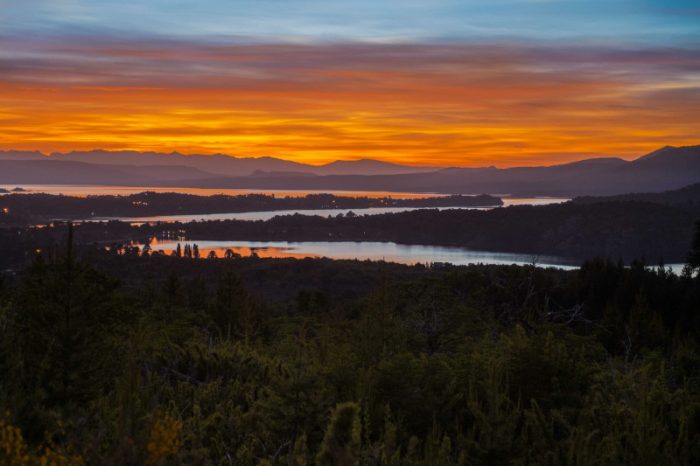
point(467, 101)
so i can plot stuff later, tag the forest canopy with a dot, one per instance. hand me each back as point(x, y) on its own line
point(128, 359)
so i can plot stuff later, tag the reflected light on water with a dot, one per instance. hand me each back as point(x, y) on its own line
point(369, 250)
point(206, 248)
point(376, 251)
point(269, 253)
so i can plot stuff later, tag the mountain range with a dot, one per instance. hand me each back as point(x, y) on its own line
point(214, 164)
point(664, 169)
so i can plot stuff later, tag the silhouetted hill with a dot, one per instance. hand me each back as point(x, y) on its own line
point(40, 207)
point(22, 155)
point(671, 169)
point(689, 195)
point(368, 166)
point(39, 171)
point(665, 169)
point(220, 164)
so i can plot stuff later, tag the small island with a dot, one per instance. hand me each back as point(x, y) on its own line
point(13, 190)
point(43, 207)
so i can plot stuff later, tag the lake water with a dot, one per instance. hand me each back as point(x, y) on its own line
point(266, 215)
point(90, 190)
point(374, 251)
point(390, 252)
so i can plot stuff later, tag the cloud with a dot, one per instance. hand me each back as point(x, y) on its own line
point(659, 21)
point(459, 103)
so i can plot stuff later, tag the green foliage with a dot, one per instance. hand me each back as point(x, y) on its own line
point(341, 443)
point(477, 365)
point(234, 314)
point(60, 332)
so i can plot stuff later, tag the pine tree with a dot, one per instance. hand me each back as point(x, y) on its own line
point(232, 312)
point(61, 321)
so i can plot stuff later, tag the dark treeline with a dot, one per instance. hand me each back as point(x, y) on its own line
point(618, 230)
point(33, 208)
point(133, 360)
point(690, 195)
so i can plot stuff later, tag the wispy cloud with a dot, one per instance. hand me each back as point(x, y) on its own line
point(454, 103)
point(664, 21)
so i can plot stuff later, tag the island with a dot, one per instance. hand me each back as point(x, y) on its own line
point(39, 207)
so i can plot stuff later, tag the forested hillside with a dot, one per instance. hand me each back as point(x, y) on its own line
point(688, 196)
point(618, 230)
point(131, 360)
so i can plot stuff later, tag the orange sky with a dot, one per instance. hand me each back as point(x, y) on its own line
point(423, 104)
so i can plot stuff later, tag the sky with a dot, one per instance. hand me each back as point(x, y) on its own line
point(441, 82)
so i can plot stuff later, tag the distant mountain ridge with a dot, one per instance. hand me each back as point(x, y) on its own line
point(39, 171)
point(665, 169)
point(672, 168)
point(218, 164)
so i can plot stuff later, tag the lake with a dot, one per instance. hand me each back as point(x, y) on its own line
point(375, 251)
point(386, 251)
point(268, 214)
point(89, 190)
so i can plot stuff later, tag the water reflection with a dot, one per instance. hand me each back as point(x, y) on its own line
point(386, 251)
point(368, 250)
point(223, 249)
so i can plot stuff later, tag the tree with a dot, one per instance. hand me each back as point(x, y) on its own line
point(229, 254)
point(172, 292)
point(61, 322)
point(233, 312)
